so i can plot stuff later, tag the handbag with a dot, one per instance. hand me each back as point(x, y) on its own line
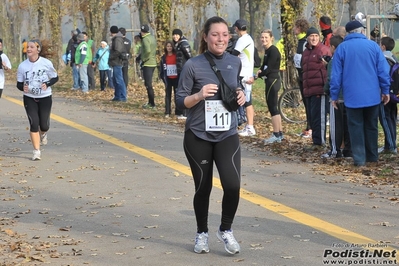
point(229, 96)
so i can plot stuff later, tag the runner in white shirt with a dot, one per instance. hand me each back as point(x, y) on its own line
point(5, 64)
point(244, 49)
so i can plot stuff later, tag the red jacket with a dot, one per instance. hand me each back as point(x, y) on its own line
point(314, 70)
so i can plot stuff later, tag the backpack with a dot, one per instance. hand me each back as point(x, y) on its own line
point(394, 89)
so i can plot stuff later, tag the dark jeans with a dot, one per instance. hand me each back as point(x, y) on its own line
point(388, 116)
point(147, 75)
point(103, 76)
point(171, 85)
point(363, 131)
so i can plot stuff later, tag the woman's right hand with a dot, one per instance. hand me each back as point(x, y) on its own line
point(208, 90)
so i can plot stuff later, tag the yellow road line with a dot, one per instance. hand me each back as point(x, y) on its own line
point(293, 214)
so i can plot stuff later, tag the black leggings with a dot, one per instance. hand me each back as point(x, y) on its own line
point(38, 111)
point(272, 86)
point(227, 156)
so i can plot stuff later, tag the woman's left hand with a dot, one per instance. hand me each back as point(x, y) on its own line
point(241, 97)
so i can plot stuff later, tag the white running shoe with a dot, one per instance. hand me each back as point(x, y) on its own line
point(36, 155)
point(201, 243)
point(247, 132)
point(230, 243)
point(43, 139)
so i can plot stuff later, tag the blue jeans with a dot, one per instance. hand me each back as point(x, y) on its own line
point(119, 84)
point(76, 77)
point(363, 131)
point(84, 79)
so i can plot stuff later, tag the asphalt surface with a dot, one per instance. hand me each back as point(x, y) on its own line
point(115, 189)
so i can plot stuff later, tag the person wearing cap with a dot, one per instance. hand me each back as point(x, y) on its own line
point(101, 60)
point(325, 26)
point(314, 77)
point(149, 63)
point(301, 26)
point(183, 53)
point(127, 56)
point(35, 77)
point(5, 64)
point(245, 49)
point(116, 62)
point(360, 70)
point(82, 61)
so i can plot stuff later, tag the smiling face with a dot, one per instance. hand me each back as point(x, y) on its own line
point(266, 39)
point(217, 38)
point(169, 47)
point(313, 39)
point(32, 50)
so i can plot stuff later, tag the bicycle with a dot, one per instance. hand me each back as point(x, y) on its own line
point(290, 103)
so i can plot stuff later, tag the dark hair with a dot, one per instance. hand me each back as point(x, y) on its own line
point(388, 42)
point(336, 40)
point(205, 30)
point(326, 20)
point(171, 43)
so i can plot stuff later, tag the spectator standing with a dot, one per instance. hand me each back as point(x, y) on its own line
point(82, 60)
point(389, 112)
point(137, 55)
point(35, 76)
point(339, 132)
point(244, 49)
point(270, 69)
point(5, 64)
point(127, 56)
point(326, 31)
point(168, 74)
point(24, 46)
point(300, 28)
point(314, 77)
point(361, 71)
point(183, 53)
point(116, 62)
point(90, 67)
point(205, 145)
point(148, 51)
point(101, 61)
point(70, 53)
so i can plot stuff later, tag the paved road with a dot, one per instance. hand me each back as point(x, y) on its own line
point(115, 189)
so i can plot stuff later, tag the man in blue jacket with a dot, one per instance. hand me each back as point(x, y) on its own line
point(360, 68)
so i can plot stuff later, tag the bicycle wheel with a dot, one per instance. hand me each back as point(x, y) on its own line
point(291, 106)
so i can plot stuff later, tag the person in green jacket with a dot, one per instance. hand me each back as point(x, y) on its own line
point(82, 60)
point(149, 63)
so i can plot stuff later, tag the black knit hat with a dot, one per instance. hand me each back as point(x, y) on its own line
point(178, 32)
point(114, 29)
point(312, 30)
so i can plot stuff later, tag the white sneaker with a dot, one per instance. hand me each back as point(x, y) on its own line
point(201, 243)
point(43, 139)
point(272, 139)
point(36, 155)
point(181, 117)
point(247, 132)
point(230, 243)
